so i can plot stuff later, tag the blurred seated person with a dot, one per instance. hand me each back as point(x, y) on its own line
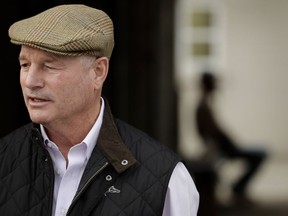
point(218, 141)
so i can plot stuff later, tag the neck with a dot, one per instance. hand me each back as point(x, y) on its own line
point(68, 134)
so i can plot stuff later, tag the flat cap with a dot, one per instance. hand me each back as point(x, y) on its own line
point(69, 29)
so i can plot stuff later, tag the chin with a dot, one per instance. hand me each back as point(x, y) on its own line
point(38, 119)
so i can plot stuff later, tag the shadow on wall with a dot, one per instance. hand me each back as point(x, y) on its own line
point(220, 147)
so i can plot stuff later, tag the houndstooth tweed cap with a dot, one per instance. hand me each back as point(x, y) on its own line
point(70, 29)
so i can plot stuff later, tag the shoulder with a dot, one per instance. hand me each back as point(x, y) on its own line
point(17, 134)
point(154, 157)
point(15, 140)
point(145, 148)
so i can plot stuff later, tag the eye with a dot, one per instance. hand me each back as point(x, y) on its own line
point(49, 67)
point(24, 65)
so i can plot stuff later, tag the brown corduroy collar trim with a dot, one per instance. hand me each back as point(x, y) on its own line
point(111, 143)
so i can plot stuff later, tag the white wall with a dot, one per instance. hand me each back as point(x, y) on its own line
point(253, 101)
point(252, 63)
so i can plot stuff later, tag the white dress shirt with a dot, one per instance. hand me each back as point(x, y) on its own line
point(182, 197)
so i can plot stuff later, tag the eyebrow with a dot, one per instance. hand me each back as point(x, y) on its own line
point(48, 58)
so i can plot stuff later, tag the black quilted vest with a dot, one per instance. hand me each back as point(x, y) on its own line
point(127, 174)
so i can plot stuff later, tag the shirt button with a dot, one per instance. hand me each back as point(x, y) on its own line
point(124, 162)
point(108, 178)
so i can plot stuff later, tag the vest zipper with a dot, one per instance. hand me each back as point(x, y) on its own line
point(85, 185)
point(48, 160)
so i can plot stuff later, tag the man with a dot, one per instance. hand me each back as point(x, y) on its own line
point(218, 141)
point(75, 158)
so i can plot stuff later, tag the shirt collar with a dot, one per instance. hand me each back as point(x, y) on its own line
point(92, 136)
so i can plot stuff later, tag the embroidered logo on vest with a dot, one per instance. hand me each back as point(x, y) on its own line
point(112, 189)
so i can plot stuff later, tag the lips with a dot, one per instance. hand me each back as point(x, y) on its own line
point(37, 101)
point(34, 99)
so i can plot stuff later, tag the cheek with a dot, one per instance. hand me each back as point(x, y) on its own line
point(22, 84)
point(22, 78)
point(76, 92)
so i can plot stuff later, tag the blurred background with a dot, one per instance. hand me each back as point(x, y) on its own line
point(161, 48)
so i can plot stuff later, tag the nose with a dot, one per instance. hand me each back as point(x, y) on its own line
point(32, 78)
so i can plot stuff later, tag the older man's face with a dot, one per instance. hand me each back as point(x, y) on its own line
point(57, 90)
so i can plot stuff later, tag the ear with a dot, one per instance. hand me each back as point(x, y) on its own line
point(101, 66)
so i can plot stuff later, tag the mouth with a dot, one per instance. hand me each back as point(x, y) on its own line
point(37, 101)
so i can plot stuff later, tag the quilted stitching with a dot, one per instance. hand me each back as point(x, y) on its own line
point(22, 190)
point(143, 191)
point(142, 187)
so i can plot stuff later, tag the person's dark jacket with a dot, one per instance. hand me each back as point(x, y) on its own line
point(128, 173)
